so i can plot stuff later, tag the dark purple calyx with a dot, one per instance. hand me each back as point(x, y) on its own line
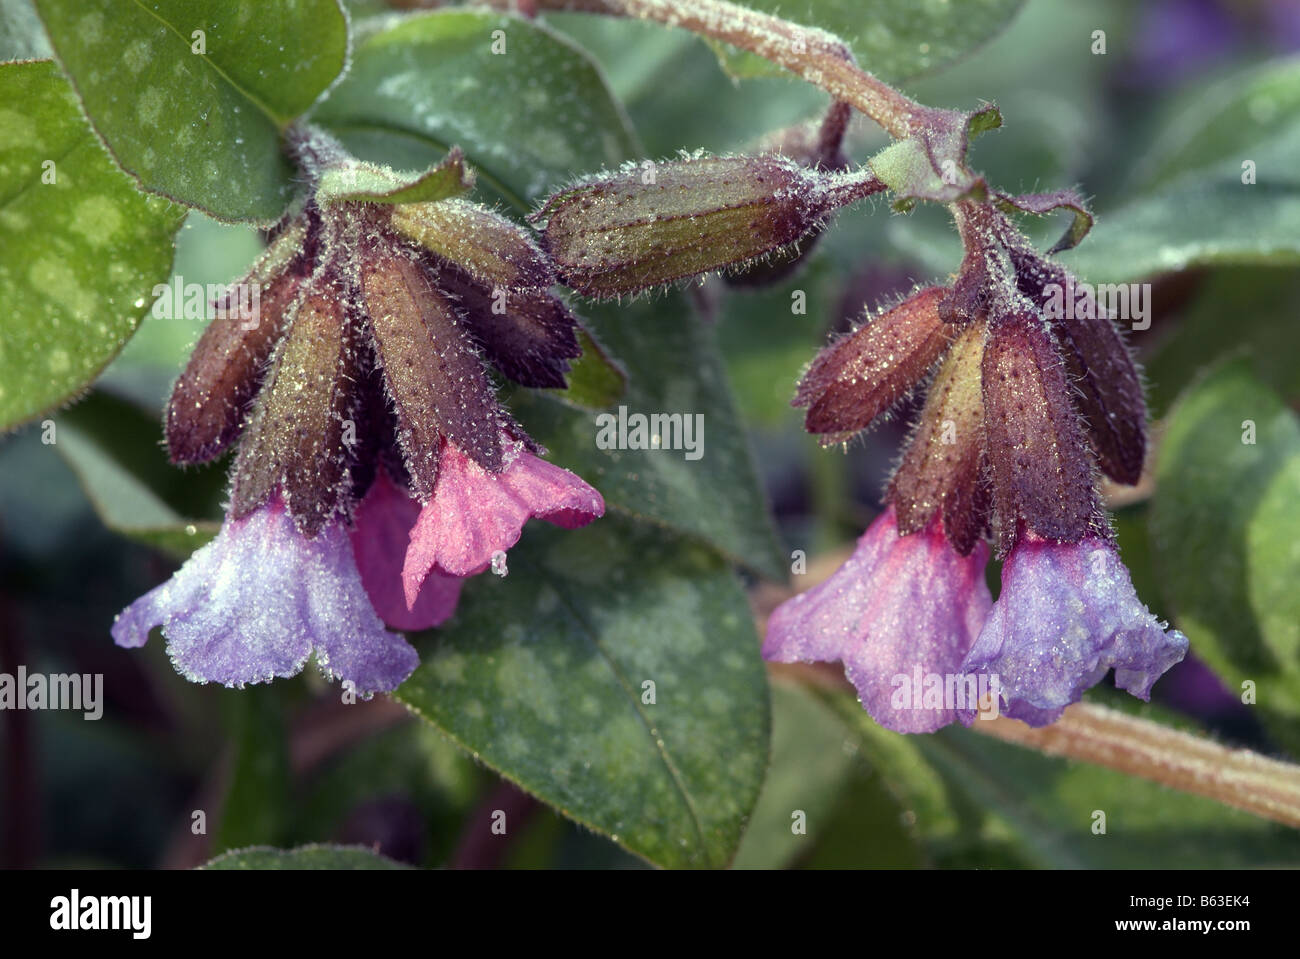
point(1108, 391)
point(296, 441)
point(529, 335)
point(863, 374)
point(434, 377)
point(211, 398)
point(1041, 474)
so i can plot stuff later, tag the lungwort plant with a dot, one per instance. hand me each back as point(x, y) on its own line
point(323, 303)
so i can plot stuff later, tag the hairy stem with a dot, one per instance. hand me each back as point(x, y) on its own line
point(1138, 747)
point(815, 55)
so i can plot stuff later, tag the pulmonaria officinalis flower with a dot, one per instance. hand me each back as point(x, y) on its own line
point(1022, 408)
point(375, 467)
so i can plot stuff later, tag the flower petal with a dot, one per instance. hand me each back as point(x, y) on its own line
point(902, 611)
point(1067, 614)
point(380, 537)
point(474, 513)
point(252, 604)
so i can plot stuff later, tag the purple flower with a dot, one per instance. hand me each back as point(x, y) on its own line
point(255, 602)
point(1067, 615)
point(902, 607)
point(1030, 392)
point(359, 400)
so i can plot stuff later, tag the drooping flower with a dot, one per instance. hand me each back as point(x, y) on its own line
point(363, 412)
point(1024, 404)
point(1066, 616)
point(255, 602)
point(475, 514)
point(902, 607)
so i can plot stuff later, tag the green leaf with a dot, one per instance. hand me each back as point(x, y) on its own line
point(978, 801)
point(542, 676)
point(320, 856)
point(596, 379)
point(83, 249)
point(256, 806)
point(1261, 302)
point(1223, 527)
point(21, 35)
point(366, 183)
point(672, 367)
point(810, 767)
point(1196, 223)
point(191, 96)
point(1222, 123)
point(894, 39)
point(528, 118)
point(113, 447)
point(1206, 215)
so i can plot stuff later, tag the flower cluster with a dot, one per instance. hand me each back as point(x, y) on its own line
point(1022, 409)
point(375, 467)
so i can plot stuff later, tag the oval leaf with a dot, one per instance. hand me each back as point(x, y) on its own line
point(528, 108)
point(191, 95)
point(304, 857)
point(83, 248)
point(615, 674)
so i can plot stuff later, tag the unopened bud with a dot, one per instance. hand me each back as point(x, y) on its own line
point(493, 250)
point(942, 467)
point(1041, 474)
point(619, 234)
point(211, 398)
point(863, 374)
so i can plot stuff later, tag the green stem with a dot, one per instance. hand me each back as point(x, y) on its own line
point(818, 57)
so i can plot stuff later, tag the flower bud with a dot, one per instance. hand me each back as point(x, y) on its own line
point(295, 439)
point(435, 380)
point(863, 374)
point(645, 226)
point(492, 249)
point(211, 398)
point(942, 467)
point(1108, 391)
point(529, 335)
point(1042, 478)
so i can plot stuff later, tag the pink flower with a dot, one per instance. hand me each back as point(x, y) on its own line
point(474, 514)
point(901, 606)
point(380, 538)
